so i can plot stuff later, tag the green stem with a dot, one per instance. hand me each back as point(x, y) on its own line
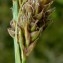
point(23, 57)
point(15, 18)
point(24, 60)
point(16, 45)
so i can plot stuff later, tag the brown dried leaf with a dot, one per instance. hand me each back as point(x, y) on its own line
point(11, 32)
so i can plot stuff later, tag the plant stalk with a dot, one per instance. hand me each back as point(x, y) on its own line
point(15, 18)
point(23, 57)
point(18, 59)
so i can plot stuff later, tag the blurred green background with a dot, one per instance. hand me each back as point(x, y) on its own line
point(49, 48)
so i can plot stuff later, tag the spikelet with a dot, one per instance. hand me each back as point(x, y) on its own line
point(32, 20)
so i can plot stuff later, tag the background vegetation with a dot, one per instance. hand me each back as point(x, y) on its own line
point(49, 48)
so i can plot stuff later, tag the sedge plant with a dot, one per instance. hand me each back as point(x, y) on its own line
point(30, 19)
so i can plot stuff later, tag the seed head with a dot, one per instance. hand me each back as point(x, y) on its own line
point(32, 20)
